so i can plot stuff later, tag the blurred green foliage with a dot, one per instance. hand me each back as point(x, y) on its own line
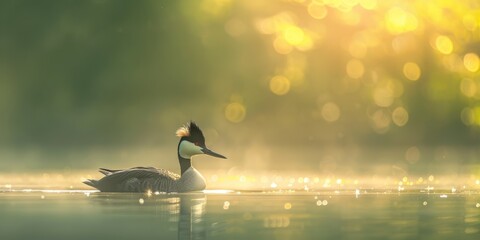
point(367, 73)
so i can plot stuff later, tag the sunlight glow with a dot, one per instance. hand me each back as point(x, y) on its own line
point(293, 35)
point(217, 191)
point(470, 22)
point(368, 4)
point(400, 21)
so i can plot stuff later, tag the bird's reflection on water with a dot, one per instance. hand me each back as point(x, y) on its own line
point(191, 224)
point(187, 210)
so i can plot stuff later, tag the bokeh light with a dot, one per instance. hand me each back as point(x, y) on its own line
point(444, 44)
point(381, 121)
point(468, 87)
point(280, 85)
point(471, 61)
point(330, 112)
point(235, 112)
point(355, 68)
point(293, 35)
point(317, 10)
point(412, 156)
point(356, 73)
point(383, 97)
point(412, 71)
point(400, 21)
point(400, 116)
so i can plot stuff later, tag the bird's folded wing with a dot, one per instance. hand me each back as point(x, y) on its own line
point(139, 173)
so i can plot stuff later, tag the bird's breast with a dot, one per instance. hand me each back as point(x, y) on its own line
point(191, 180)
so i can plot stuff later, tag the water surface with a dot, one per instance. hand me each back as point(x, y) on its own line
point(239, 215)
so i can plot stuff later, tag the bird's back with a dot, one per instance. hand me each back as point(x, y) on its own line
point(139, 179)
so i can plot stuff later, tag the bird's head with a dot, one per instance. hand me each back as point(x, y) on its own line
point(192, 142)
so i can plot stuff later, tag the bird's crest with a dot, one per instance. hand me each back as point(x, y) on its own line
point(183, 132)
point(190, 129)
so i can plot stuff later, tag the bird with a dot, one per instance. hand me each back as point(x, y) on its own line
point(145, 179)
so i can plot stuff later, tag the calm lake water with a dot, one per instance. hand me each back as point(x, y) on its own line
point(239, 215)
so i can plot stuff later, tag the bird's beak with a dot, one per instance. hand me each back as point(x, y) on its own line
point(212, 153)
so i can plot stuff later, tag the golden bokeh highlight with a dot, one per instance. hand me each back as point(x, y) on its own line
point(293, 35)
point(400, 21)
point(400, 116)
point(411, 71)
point(444, 44)
point(317, 10)
point(471, 62)
point(383, 97)
point(279, 85)
point(235, 112)
point(386, 91)
point(468, 87)
point(330, 112)
point(355, 69)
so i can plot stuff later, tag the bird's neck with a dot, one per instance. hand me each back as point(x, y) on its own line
point(184, 164)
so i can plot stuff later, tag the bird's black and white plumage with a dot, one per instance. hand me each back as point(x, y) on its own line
point(143, 179)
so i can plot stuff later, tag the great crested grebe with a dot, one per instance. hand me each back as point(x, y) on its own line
point(143, 179)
